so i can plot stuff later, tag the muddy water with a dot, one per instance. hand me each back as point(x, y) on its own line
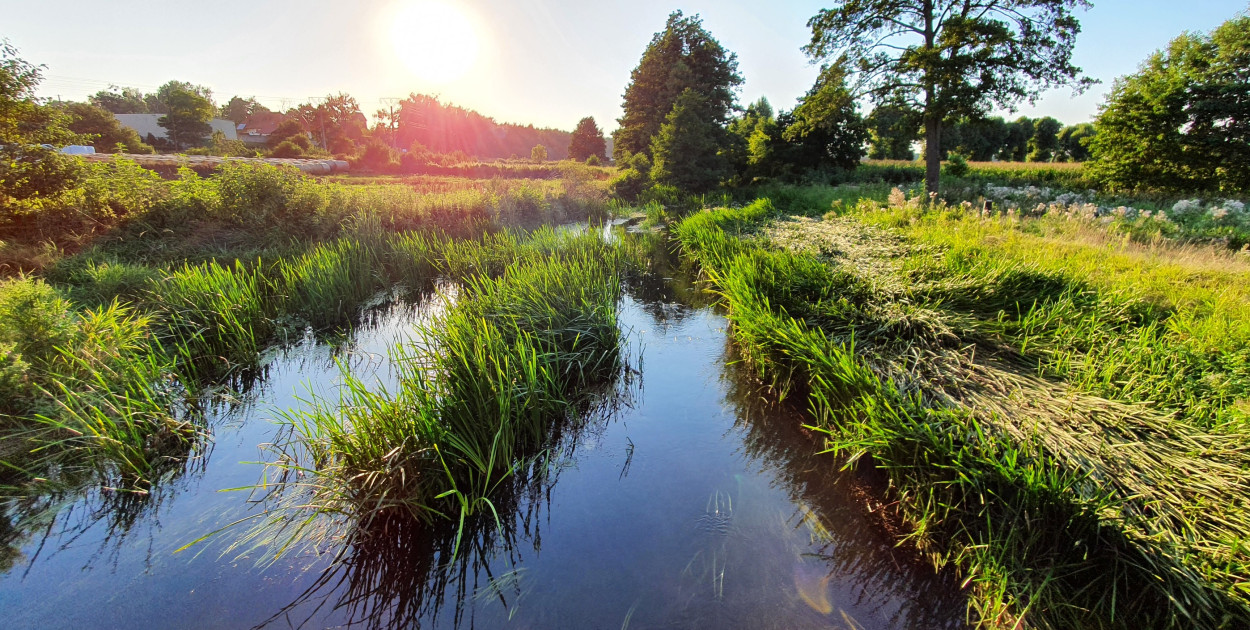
point(690, 504)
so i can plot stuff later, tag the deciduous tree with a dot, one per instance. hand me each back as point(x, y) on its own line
point(28, 169)
point(951, 58)
point(1182, 122)
point(186, 123)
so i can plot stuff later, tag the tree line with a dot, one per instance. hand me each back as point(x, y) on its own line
point(333, 125)
point(931, 71)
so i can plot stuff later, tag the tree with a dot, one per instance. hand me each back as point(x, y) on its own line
point(587, 140)
point(951, 58)
point(1182, 122)
point(1074, 142)
point(101, 126)
point(334, 122)
point(1045, 141)
point(120, 100)
point(827, 130)
point(893, 127)
point(186, 122)
point(538, 153)
point(238, 109)
point(287, 129)
point(682, 57)
point(27, 169)
point(686, 152)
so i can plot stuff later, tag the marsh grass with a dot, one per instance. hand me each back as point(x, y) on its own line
point(1067, 503)
point(481, 403)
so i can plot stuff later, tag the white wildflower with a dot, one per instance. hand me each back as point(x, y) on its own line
point(1186, 206)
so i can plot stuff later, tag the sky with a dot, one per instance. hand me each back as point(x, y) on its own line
point(541, 62)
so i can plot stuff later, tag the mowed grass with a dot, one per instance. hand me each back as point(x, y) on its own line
point(1069, 432)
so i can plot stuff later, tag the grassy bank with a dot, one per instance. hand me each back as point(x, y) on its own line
point(1068, 432)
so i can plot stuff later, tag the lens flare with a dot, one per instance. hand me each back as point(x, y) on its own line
point(436, 41)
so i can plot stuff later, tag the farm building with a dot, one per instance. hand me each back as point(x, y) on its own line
point(147, 124)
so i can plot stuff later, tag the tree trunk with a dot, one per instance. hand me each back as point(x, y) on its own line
point(932, 152)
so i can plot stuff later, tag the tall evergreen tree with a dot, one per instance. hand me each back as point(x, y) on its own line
point(587, 140)
point(827, 130)
point(687, 149)
point(684, 56)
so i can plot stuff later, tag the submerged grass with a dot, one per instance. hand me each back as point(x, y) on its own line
point(1065, 503)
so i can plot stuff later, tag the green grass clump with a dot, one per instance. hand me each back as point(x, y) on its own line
point(1065, 505)
point(217, 317)
point(494, 382)
point(84, 390)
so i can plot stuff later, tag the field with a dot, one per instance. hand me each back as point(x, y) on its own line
point(1055, 388)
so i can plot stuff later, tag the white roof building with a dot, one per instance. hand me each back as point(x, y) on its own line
point(146, 124)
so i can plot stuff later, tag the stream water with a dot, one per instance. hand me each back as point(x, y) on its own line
point(692, 504)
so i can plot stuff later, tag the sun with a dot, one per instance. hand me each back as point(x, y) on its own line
point(435, 40)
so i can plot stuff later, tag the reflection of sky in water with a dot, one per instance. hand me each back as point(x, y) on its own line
point(697, 507)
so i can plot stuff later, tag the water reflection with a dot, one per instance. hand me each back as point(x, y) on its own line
point(404, 573)
point(856, 563)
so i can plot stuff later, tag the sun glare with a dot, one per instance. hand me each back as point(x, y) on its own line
point(435, 40)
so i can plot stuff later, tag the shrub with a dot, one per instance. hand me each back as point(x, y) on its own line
point(592, 160)
point(288, 149)
point(957, 165)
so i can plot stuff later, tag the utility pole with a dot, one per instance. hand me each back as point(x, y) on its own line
point(389, 103)
point(316, 102)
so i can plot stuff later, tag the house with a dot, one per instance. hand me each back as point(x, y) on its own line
point(146, 124)
point(258, 127)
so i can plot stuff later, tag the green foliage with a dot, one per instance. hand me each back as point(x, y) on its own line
point(288, 149)
point(238, 109)
point(592, 161)
point(28, 170)
point(120, 101)
point(187, 115)
point(957, 166)
point(827, 130)
point(102, 127)
point(950, 58)
point(289, 129)
point(587, 141)
point(1044, 145)
point(633, 178)
point(682, 57)
point(1182, 122)
point(378, 157)
point(893, 127)
point(687, 150)
point(538, 153)
point(1074, 142)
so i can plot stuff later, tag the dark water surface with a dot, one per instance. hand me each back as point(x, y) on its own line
point(692, 505)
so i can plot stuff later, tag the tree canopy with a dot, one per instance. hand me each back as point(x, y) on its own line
point(28, 169)
point(1182, 122)
point(103, 130)
point(684, 56)
point(188, 113)
point(950, 57)
point(587, 140)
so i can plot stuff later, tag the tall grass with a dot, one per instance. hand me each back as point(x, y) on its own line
point(491, 386)
point(1063, 509)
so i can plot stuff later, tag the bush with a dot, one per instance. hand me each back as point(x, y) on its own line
point(592, 160)
point(378, 157)
point(288, 149)
point(957, 165)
